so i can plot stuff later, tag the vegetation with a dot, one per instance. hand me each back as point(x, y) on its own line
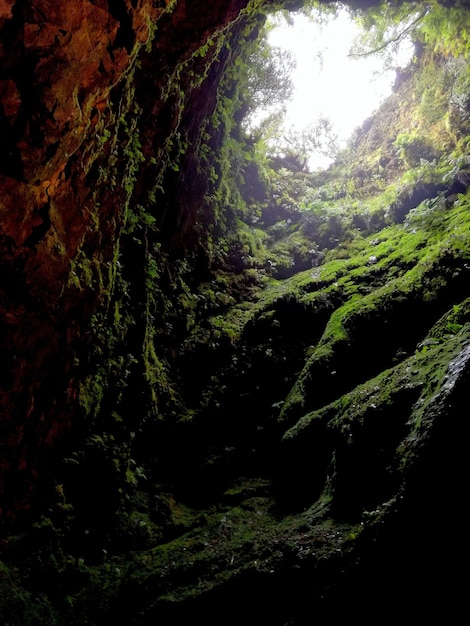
point(276, 350)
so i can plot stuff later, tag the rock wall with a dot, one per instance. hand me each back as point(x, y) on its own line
point(74, 139)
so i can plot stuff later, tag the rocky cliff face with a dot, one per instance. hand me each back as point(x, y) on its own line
point(77, 126)
point(201, 405)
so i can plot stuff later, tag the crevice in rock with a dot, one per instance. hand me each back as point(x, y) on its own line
point(125, 37)
point(10, 156)
point(38, 232)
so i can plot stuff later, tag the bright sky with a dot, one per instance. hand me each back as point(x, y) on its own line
point(327, 82)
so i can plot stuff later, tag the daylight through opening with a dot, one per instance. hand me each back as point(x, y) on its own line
point(333, 66)
point(332, 86)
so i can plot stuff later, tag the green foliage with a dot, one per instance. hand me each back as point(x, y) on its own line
point(269, 80)
point(138, 219)
point(293, 148)
point(444, 29)
point(20, 606)
point(385, 27)
point(413, 149)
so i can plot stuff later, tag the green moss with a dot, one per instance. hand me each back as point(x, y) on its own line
point(18, 606)
point(422, 374)
point(235, 540)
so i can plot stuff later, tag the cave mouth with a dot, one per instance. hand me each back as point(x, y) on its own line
point(334, 67)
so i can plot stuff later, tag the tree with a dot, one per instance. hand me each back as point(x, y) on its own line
point(269, 82)
point(386, 27)
point(293, 149)
point(440, 26)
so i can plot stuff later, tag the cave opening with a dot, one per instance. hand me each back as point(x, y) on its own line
point(336, 82)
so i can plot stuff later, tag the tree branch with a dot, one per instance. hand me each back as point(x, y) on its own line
point(395, 39)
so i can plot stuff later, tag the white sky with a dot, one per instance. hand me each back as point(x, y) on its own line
point(327, 82)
